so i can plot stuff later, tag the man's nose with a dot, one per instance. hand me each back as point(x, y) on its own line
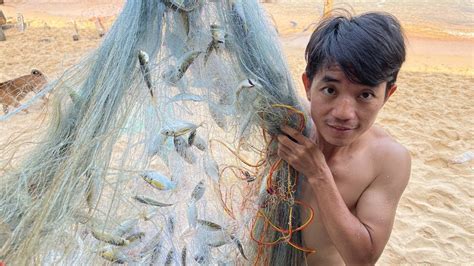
point(344, 109)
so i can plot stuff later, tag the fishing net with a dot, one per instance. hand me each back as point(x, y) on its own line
point(161, 148)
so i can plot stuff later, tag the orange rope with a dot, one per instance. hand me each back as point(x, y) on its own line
point(260, 163)
point(305, 224)
point(274, 167)
point(271, 187)
point(287, 233)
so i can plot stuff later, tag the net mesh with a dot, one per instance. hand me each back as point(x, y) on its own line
point(162, 148)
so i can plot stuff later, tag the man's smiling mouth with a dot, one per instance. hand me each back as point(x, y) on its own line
point(341, 128)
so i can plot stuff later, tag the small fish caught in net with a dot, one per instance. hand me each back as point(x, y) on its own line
point(162, 148)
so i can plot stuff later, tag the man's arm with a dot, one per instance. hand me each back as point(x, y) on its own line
point(377, 206)
point(359, 238)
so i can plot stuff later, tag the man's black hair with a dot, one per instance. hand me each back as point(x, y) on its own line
point(368, 48)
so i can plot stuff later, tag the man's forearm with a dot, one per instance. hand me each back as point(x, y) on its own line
point(351, 238)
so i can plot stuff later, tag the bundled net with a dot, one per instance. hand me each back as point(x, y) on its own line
point(162, 148)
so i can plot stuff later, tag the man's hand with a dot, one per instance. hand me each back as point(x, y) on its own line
point(303, 155)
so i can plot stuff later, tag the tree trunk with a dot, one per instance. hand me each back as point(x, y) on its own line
point(3, 19)
point(2, 35)
point(328, 6)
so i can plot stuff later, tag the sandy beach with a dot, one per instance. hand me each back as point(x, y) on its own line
point(431, 112)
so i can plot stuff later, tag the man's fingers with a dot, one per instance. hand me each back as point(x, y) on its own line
point(286, 141)
point(284, 148)
point(295, 134)
point(284, 153)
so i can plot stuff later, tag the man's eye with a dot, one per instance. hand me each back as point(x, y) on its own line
point(328, 91)
point(367, 95)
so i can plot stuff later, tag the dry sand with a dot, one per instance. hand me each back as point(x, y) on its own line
point(431, 114)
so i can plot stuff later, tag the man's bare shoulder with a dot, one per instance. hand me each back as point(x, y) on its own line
point(391, 157)
point(376, 207)
point(384, 144)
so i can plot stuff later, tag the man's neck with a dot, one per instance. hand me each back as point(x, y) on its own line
point(329, 150)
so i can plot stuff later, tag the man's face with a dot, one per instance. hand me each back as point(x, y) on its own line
point(341, 110)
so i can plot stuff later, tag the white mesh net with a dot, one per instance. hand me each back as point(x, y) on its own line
point(161, 149)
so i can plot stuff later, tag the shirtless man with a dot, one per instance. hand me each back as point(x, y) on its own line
point(355, 172)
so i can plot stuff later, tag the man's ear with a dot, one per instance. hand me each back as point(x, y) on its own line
point(390, 91)
point(307, 85)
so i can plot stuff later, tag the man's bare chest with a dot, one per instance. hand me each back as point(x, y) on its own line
point(352, 177)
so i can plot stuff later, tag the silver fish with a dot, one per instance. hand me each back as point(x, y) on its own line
point(186, 97)
point(84, 218)
point(155, 252)
point(202, 255)
point(169, 257)
point(198, 191)
point(153, 247)
point(170, 225)
point(185, 20)
point(218, 37)
point(93, 190)
point(200, 143)
point(125, 227)
point(109, 238)
point(218, 33)
point(192, 137)
point(217, 243)
point(248, 177)
point(238, 9)
point(185, 61)
point(156, 145)
point(158, 180)
point(144, 60)
point(209, 225)
point(200, 259)
point(192, 214)
point(182, 148)
point(211, 47)
point(113, 255)
point(239, 246)
point(217, 239)
point(245, 84)
point(135, 236)
point(184, 253)
point(211, 168)
point(173, 75)
point(75, 97)
point(150, 201)
point(179, 128)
